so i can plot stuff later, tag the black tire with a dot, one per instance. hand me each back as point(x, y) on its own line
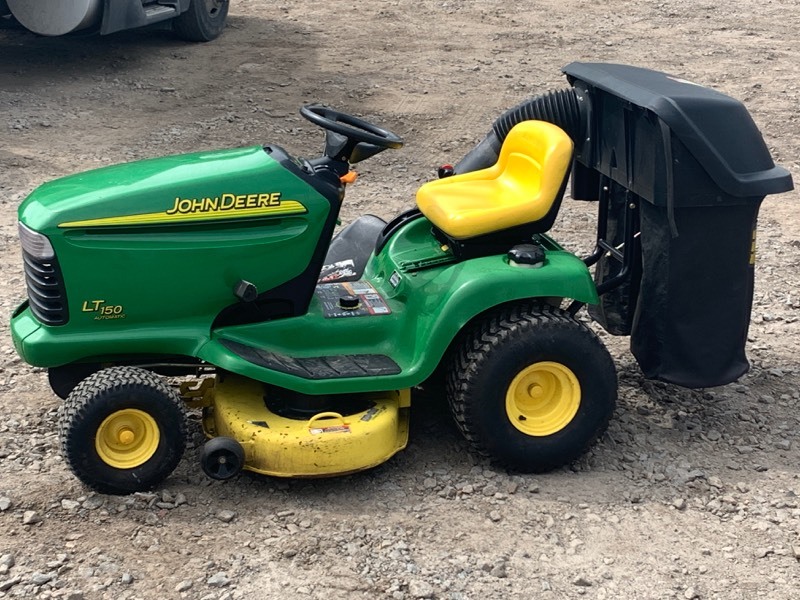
point(117, 402)
point(203, 21)
point(493, 361)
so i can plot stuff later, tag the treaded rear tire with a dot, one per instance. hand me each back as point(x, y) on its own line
point(109, 392)
point(198, 24)
point(495, 351)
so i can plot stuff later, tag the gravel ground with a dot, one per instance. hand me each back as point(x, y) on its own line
point(691, 494)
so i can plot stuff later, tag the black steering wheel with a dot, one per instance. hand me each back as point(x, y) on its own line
point(359, 139)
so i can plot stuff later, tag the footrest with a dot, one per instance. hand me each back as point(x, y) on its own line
point(317, 367)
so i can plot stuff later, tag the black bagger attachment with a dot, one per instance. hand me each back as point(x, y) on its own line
point(686, 168)
point(680, 171)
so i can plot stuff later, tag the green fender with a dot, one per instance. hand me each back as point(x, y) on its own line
point(459, 294)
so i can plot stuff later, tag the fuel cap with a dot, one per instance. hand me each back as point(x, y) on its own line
point(529, 256)
point(349, 302)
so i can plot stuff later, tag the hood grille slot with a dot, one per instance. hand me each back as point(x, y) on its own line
point(46, 293)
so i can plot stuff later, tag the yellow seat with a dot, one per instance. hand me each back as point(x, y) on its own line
point(519, 189)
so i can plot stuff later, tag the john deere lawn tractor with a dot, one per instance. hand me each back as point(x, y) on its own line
point(213, 280)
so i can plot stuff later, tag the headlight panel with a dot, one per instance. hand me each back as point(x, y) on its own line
point(35, 244)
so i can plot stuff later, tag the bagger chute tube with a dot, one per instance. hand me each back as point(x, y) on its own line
point(213, 281)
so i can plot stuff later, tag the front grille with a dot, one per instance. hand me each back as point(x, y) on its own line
point(48, 299)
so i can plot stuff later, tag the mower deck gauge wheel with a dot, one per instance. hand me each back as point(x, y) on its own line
point(222, 458)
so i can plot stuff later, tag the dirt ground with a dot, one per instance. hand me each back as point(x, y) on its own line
point(691, 494)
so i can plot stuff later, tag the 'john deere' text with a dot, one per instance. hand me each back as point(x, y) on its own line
point(224, 202)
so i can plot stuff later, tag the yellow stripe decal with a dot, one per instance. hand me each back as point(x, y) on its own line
point(286, 207)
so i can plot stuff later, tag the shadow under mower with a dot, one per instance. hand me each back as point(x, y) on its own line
point(301, 350)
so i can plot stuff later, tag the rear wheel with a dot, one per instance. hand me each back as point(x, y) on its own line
point(123, 430)
point(203, 21)
point(532, 388)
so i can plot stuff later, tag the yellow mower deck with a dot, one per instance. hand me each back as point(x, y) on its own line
point(327, 444)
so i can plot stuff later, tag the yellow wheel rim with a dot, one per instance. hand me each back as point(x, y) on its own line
point(543, 398)
point(127, 438)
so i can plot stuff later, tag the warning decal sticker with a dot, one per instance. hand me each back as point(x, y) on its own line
point(365, 300)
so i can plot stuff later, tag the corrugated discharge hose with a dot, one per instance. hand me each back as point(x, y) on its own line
point(560, 108)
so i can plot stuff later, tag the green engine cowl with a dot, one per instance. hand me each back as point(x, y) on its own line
point(164, 243)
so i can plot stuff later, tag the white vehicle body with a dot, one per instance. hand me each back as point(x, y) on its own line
point(194, 20)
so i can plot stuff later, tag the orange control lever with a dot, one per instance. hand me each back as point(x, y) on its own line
point(349, 177)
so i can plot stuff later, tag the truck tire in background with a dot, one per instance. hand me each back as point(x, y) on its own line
point(55, 17)
point(203, 22)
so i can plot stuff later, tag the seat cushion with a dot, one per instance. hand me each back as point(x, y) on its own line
point(519, 189)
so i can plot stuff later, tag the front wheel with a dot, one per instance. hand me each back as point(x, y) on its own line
point(123, 430)
point(203, 21)
point(531, 387)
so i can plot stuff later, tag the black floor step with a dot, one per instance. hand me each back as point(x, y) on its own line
point(317, 367)
point(158, 12)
